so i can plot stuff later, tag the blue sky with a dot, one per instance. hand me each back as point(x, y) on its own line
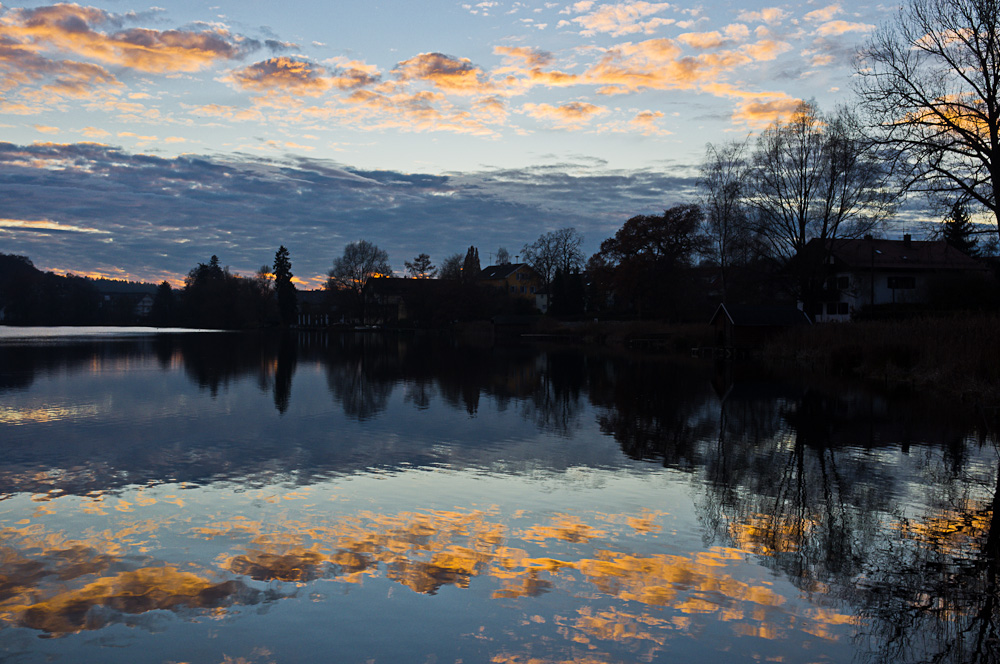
point(140, 139)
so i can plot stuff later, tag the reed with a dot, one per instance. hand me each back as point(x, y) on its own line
point(957, 355)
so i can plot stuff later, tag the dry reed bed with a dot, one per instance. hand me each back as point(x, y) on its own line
point(959, 356)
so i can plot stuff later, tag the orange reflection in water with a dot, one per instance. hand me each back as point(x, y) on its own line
point(53, 583)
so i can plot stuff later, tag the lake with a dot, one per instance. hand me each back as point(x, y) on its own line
point(239, 498)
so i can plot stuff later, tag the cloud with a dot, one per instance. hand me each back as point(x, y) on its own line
point(835, 28)
point(352, 74)
point(147, 217)
point(571, 115)
point(454, 75)
point(645, 122)
point(290, 75)
point(660, 64)
point(623, 19)
point(76, 30)
point(824, 14)
point(44, 227)
point(769, 15)
point(523, 69)
point(757, 110)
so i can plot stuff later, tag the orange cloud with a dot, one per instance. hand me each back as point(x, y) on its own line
point(566, 116)
point(645, 122)
point(659, 64)
point(73, 29)
point(824, 14)
point(21, 66)
point(760, 113)
point(834, 28)
point(522, 70)
point(282, 73)
point(454, 75)
point(766, 49)
point(352, 74)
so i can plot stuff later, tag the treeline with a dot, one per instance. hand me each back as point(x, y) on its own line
point(212, 297)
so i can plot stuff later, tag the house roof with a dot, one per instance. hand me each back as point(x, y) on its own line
point(879, 254)
point(501, 271)
point(386, 286)
point(754, 315)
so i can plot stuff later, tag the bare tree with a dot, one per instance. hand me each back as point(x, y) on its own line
point(724, 188)
point(503, 256)
point(361, 261)
point(556, 250)
point(930, 83)
point(451, 267)
point(816, 176)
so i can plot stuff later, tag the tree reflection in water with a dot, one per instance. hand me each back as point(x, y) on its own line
point(809, 483)
point(876, 506)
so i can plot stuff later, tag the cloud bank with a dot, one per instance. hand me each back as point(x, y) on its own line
point(99, 210)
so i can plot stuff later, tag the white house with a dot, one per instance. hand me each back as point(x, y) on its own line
point(869, 271)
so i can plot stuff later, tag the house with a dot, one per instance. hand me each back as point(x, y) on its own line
point(144, 307)
point(518, 280)
point(858, 274)
point(394, 299)
point(126, 307)
point(749, 325)
point(315, 309)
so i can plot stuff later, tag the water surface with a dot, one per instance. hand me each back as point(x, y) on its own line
point(230, 497)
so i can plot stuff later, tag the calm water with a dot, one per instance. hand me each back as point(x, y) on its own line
point(223, 498)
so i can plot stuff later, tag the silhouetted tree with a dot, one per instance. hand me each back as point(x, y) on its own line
point(164, 306)
point(567, 293)
point(470, 267)
point(284, 287)
point(361, 261)
point(817, 176)
point(724, 189)
point(503, 256)
point(451, 267)
point(558, 249)
point(640, 268)
point(421, 268)
point(930, 83)
point(958, 230)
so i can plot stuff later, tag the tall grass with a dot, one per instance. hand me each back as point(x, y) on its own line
point(959, 355)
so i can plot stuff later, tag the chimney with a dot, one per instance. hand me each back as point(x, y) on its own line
point(906, 239)
point(868, 236)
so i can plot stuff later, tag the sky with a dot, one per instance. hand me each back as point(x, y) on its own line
point(138, 140)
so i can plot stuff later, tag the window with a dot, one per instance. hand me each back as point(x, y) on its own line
point(842, 308)
point(513, 289)
point(902, 283)
point(831, 308)
point(838, 283)
point(523, 289)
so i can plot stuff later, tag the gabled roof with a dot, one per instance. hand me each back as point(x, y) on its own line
point(754, 315)
point(878, 254)
point(502, 271)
